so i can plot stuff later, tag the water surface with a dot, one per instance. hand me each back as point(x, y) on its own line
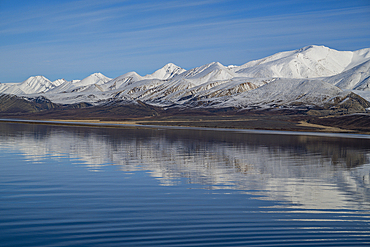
point(79, 186)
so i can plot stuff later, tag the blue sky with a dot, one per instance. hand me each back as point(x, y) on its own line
point(73, 39)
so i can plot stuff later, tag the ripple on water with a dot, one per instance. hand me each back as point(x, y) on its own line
point(64, 186)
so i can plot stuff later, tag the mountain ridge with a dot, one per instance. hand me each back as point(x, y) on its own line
point(311, 77)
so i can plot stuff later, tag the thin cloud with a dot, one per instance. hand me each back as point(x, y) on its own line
point(132, 34)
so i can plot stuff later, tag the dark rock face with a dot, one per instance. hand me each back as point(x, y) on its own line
point(355, 103)
point(351, 103)
point(15, 104)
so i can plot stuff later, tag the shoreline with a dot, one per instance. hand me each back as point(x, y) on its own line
point(139, 125)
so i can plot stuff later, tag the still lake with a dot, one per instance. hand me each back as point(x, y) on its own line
point(85, 186)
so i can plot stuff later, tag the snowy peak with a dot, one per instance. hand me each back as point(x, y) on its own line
point(205, 69)
point(123, 80)
point(130, 76)
point(96, 78)
point(311, 48)
point(214, 71)
point(36, 84)
point(80, 85)
point(307, 76)
point(166, 72)
point(93, 80)
point(36, 80)
point(308, 62)
point(33, 85)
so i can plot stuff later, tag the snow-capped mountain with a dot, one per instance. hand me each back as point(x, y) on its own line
point(313, 75)
point(210, 72)
point(92, 81)
point(166, 72)
point(308, 62)
point(34, 84)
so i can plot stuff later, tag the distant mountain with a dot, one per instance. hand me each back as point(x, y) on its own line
point(166, 72)
point(210, 72)
point(33, 85)
point(92, 81)
point(308, 62)
point(313, 76)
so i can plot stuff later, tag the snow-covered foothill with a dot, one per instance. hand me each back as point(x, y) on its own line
point(357, 78)
point(285, 92)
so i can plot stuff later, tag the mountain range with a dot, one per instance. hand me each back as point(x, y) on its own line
point(310, 77)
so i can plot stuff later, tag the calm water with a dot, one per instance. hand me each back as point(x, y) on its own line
point(79, 186)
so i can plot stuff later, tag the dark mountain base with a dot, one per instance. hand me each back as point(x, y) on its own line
point(358, 122)
point(88, 112)
point(269, 119)
point(348, 113)
point(335, 117)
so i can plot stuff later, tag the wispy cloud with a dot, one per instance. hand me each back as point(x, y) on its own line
point(143, 34)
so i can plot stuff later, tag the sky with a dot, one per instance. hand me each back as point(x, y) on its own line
point(73, 39)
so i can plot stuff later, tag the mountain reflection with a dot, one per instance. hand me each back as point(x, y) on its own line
point(311, 172)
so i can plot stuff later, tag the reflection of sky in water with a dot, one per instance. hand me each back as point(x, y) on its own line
point(311, 172)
